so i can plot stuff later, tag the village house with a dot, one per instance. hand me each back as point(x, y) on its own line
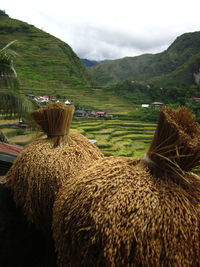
point(31, 96)
point(42, 100)
point(157, 104)
point(145, 105)
point(92, 113)
point(67, 102)
point(195, 99)
point(81, 113)
point(52, 98)
point(101, 114)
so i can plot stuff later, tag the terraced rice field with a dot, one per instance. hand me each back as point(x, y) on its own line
point(116, 137)
point(113, 137)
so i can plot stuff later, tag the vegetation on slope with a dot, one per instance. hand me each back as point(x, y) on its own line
point(89, 63)
point(45, 62)
point(141, 92)
point(153, 67)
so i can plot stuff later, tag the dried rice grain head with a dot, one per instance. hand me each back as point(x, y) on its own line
point(42, 167)
point(117, 214)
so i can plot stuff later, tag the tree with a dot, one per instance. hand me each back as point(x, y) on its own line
point(11, 101)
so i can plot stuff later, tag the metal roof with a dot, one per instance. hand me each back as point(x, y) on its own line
point(9, 152)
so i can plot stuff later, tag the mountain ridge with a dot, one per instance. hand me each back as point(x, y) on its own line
point(148, 67)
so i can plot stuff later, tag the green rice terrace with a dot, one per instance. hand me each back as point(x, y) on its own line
point(113, 137)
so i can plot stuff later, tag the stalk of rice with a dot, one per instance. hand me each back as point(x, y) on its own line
point(135, 212)
point(42, 166)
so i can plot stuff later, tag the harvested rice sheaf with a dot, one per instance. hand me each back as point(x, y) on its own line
point(135, 212)
point(42, 166)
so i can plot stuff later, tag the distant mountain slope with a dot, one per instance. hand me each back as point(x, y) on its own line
point(89, 63)
point(155, 67)
point(44, 61)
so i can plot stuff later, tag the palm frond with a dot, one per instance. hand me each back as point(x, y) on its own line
point(8, 45)
point(8, 75)
point(12, 103)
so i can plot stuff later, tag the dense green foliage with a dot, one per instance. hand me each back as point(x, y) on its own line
point(195, 109)
point(175, 66)
point(145, 114)
point(135, 92)
point(140, 92)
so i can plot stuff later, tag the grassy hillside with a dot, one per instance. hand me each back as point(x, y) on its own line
point(44, 62)
point(155, 67)
point(98, 99)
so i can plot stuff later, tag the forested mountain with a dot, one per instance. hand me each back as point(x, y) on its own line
point(177, 65)
point(44, 61)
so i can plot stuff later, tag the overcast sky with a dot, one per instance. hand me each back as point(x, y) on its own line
point(110, 29)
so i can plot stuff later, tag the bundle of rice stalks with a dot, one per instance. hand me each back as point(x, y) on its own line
point(135, 212)
point(42, 166)
point(175, 146)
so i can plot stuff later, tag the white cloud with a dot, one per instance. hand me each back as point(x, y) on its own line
point(110, 29)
